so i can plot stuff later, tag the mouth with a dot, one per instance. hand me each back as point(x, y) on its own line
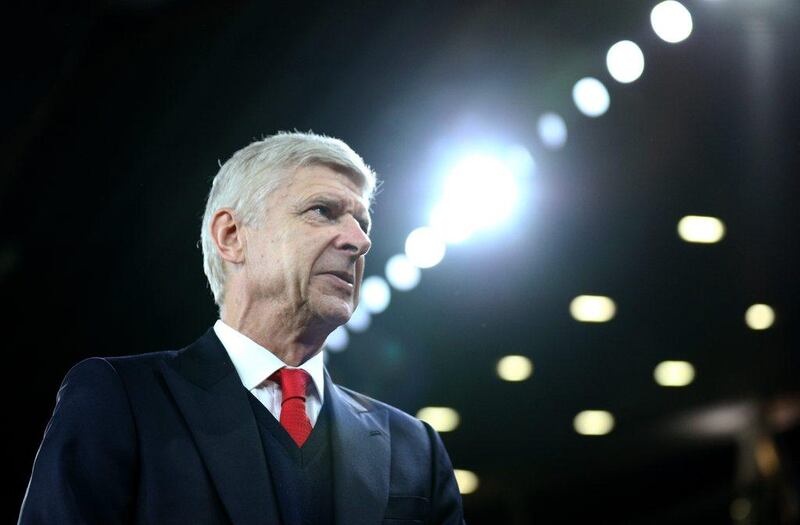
point(343, 276)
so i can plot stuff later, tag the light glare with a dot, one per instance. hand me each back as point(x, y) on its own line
point(375, 294)
point(514, 368)
point(671, 21)
point(592, 308)
point(447, 220)
point(467, 481)
point(442, 419)
point(482, 190)
point(701, 229)
point(552, 130)
point(520, 161)
point(591, 97)
point(759, 316)
point(425, 247)
point(625, 61)
point(674, 373)
point(594, 422)
point(401, 274)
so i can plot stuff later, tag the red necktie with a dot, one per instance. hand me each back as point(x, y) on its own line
point(293, 383)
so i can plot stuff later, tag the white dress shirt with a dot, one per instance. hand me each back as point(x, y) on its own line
point(255, 364)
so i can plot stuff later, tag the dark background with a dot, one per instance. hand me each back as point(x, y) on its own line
point(115, 116)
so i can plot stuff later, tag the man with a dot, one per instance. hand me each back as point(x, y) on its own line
point(245, 426)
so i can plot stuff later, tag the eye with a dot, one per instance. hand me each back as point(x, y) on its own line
point(322, 210)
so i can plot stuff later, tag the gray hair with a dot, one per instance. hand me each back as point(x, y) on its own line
point(245, 181)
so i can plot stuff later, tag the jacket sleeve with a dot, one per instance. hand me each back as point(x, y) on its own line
point(85, 468)
point(446, 505)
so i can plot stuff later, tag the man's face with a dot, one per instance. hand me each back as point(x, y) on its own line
point(307, 258)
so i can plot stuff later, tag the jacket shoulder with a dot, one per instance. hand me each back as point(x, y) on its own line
point(396, 415)
point(149, 359)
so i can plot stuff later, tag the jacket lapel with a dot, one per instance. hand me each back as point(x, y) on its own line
point(214, 403)
point(360, 445)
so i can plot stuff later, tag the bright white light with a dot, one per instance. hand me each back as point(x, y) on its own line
point(592, 308)
point(375, 294)
point(591, 97)
point(700, 229)
point(674, 373)
point(552, 130)
point(479, 192)
point(360, 320)
point(759, 316)
point(514, 368)
point(425, 247)
point(519, 160)
point(594, 422)
point(467, 481)
point(448, 221)
point(671, 21)
point(337, 340)
point(401, 274)
point(625, 61)
point(442, 419)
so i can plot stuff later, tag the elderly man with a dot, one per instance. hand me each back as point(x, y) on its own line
point(245, 426)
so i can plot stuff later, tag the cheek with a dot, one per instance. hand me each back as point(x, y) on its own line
point(359, 270)
point(298, 257)
point(359, 277)
point(301, 263)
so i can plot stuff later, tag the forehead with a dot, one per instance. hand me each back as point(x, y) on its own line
point(308, 181)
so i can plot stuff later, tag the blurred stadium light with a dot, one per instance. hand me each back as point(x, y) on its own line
point(425, 248)
point(514, 368)
point(759, 316)
point(674, 373)
point(671, 21)
point(375, 294)
point(625, 61)
point(360, 320)
point(481, 191)
point(592, 308)
point(467, 481)
point(591, 97)
point(552, 130)
point(701, 229)
point(337, 340)
point(401, 273)
point(442, 419)
point(594, 423)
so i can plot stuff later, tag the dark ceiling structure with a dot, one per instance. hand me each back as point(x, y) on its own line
point(116, 116)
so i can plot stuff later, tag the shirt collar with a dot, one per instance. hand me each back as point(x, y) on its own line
point(254, 363)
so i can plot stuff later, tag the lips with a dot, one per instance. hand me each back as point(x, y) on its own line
point(344, 276)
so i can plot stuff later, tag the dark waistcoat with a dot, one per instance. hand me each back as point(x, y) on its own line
point(301, 476)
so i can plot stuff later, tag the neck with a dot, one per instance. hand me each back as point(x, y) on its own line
point(293, 340)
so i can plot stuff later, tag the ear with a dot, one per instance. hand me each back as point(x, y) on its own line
point(228, 235)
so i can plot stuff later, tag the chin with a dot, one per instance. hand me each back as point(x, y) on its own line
point(335, 312)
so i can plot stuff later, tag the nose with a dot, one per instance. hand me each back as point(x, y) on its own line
point(352, 238)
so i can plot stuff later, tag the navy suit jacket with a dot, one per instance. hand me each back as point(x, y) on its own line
point(170, 437)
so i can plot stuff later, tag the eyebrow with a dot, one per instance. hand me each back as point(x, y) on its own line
point(361, 213)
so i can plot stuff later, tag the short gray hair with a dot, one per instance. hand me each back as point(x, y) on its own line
point(245, 181)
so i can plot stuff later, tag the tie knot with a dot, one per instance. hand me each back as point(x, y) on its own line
point(293, 382)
